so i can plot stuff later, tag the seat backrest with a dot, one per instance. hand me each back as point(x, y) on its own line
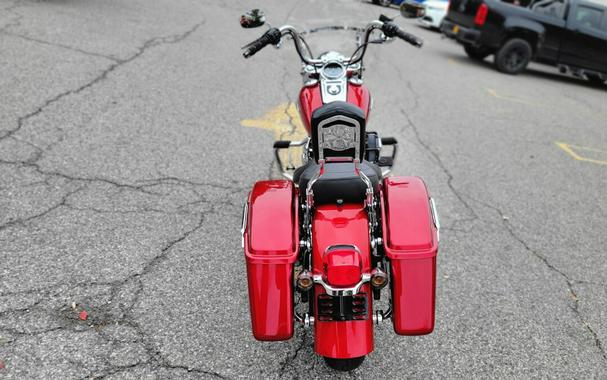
point(338, 130)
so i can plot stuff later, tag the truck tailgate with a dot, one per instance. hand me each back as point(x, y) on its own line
point(462, 12)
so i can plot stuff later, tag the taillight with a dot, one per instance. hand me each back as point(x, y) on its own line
point(481, 14)
point(342, 265)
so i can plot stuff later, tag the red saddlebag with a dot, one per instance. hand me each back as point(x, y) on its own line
point(411, 244)
point(270, 242)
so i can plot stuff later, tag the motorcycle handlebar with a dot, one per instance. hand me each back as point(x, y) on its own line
point(390, 29)
point(274, 35)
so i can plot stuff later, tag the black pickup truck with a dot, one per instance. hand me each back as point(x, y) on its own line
point(570, 34)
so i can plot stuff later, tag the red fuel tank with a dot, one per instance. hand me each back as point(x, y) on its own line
point(411, 244)
point(310, 98)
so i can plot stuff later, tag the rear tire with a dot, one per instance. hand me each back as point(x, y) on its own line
point(344, 364)
point(514, 56)
point(477, 53)
point(595, 79)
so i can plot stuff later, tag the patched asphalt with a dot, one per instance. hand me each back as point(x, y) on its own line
point(124, 166)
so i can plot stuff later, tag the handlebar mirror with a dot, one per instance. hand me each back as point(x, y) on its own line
point(253, 19)
point(411, 9)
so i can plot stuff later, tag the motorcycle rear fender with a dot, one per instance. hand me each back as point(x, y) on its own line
point(335, 225)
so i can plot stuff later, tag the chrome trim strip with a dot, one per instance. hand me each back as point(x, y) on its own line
point(245, 215)
point(435, 217)
point(340, 292)
point(337, 246)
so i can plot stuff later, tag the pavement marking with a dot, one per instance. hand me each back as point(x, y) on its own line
point(284, 121)
point(579, 153)
point(495, 94)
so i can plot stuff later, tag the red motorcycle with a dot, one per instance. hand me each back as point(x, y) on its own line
point(339, 229)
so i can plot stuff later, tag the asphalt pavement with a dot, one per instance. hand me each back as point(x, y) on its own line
point(132, 131)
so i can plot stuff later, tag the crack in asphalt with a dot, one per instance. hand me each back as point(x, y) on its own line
point(436, 157)
point(505, 222)
point(568, 281)
point(153, 42)
point(291, 358)
point(61, 203)
point(155, 357)
point(117, 370)
point(142, 187)
point(55, 44)
point(283, 85)
point(18, 17)
point(19, 334)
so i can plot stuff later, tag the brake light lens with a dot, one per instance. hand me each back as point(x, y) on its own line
point(342, 266)
point(481, 15)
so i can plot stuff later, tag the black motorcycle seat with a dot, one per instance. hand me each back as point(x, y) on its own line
point(339, 183)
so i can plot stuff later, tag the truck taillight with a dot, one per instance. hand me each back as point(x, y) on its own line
point(481, 14)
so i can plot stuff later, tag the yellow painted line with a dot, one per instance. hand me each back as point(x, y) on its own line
point(285, 123)
point(283, 120)
point(578, 152)
point(495, 94)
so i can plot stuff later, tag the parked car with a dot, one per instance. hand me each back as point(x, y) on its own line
point(436, 10)
point(387, 3)
point(570, 34)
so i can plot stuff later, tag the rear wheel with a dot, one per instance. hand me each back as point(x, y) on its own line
point(344, 364)
point(477, 53)
point(514, 56)
point(595, 79)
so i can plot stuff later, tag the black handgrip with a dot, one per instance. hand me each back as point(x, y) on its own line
point(410, 38)
point(281, 144)
point(388, 141)
point(390, 29)
point(272, 36)
point(384, 18)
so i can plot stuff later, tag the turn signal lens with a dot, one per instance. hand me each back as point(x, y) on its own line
point(379, 278)
point(304, 281)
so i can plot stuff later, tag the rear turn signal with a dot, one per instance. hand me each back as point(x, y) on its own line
point(304, 281)
point(481, 15)
point(379, 279)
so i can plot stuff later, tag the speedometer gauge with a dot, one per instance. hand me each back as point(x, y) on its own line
point(333, 70)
